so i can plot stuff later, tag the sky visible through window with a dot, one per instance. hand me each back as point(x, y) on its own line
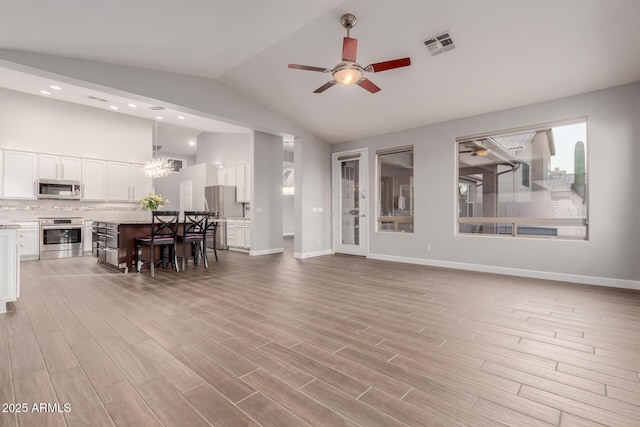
point(565, 138)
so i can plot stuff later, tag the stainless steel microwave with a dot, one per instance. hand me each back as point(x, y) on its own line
point(52, 189)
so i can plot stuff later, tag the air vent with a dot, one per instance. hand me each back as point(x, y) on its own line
point(439, 44)
point(156, 108)
point(95, 98)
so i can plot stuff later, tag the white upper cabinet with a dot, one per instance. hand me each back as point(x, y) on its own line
point(242, 183)
point(58, 168)
point(118, 182)
point(94, 180)
point(140, 184)
point(238, 176)
point(127, 182)
point(71, 169)
point(20, 175)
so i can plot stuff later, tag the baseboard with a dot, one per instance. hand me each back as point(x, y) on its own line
point(535, 274)
point(305, 255)
point(266, 251)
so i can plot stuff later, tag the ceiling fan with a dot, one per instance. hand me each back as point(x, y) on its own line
point(349, 71)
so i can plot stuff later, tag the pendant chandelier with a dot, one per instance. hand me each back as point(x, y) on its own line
point(158, 166)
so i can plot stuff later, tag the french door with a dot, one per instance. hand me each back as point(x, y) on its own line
point(350, 225)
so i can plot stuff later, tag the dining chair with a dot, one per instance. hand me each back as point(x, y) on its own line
point(164, 227)
point(193, 231)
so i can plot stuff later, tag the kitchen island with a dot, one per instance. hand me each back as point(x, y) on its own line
point(114, 242)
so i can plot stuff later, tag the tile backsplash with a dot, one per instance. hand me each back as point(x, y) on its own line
point(16, 210)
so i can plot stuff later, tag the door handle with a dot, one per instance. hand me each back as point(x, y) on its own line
point(354, 212)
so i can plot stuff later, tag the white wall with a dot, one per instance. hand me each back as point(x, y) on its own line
point(201, 176)
point(609, 257)
point(266, 219)
point(313, 190)
point(226, 149)
point(40, 124)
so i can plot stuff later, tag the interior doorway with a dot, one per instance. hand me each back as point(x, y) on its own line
point(288, 196)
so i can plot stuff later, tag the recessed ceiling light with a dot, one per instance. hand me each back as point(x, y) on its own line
point(54, 87)
point(132, 105)
point(113, 107)
point(192, 143)
point(45, 92)
point(181, 117)
point(158, 118)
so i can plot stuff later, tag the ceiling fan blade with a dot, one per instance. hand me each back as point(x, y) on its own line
point(309, 68)
point(349, 49)
point(389, 65)
point(325, 86)
point(368, 85)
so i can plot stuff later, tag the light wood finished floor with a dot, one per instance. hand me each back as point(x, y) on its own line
point(327, 341)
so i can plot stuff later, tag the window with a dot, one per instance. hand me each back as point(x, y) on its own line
point(395, 197)
point(531, 182)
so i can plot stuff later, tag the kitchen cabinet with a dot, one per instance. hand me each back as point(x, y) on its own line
point(94, 180)
point(238, 176)
point(87, 237)
point(231, 233)
point(140, 184)
point(118, 188)
point(108, 246)
point(127, 182)
point(9, 267)
point(20, 172)
point(242, 183)
point(239, 234)
point(58, 167)
point(227, 176)
point(29, 240)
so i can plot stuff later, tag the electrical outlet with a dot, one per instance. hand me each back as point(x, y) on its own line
point(428, 247)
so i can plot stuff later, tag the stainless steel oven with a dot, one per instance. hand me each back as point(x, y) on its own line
point(61, 237)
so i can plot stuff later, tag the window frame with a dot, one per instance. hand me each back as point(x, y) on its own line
point(378, 200)
point(526, 221)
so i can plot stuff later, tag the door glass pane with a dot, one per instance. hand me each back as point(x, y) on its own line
point(350, 201)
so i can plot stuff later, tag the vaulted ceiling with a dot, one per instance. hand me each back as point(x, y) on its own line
point(508, 53)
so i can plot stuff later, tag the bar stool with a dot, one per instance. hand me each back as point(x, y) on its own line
point(211, 232)
point(164, 226)
point(193, 232)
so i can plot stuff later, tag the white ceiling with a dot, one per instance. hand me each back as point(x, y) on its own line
point(508, 53)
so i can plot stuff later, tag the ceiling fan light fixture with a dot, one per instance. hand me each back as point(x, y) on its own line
point(347, 75)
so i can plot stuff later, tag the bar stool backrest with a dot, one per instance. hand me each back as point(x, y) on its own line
point(164, 225)
point(195, 222)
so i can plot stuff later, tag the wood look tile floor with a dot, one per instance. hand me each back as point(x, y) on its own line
point(327, 341)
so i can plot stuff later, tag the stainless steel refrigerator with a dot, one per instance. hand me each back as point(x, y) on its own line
point(221, 199)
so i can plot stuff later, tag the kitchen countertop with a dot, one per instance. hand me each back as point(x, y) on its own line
point(138, 221)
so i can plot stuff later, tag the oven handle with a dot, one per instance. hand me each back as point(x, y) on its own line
point(61, 227)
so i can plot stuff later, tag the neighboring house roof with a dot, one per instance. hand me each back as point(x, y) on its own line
point(560, 182)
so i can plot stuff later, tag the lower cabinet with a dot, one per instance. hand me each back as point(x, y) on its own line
point(239, 234)
point(29, 240)
point(88, 239)
point(107, 245)
point(9, 267)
